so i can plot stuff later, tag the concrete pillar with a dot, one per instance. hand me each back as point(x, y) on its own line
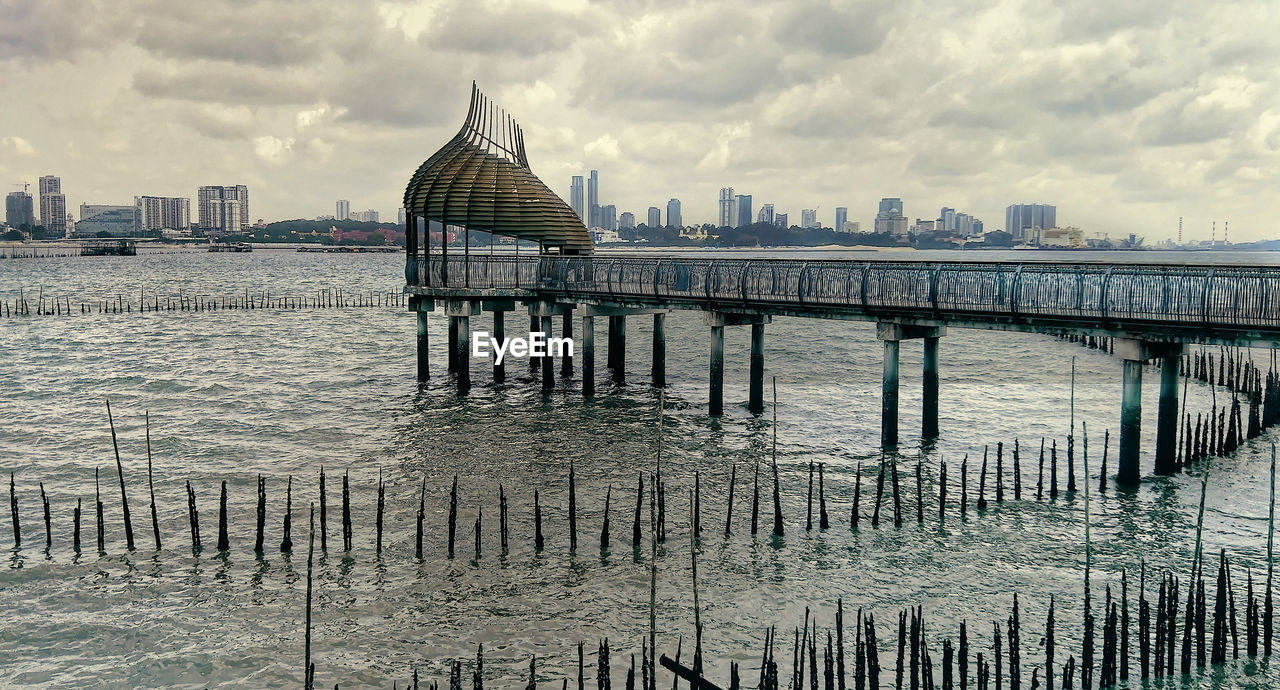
point(659, 369)
point(548, 375)
point(618, 345)
point(424, 371)
point(889, 397)
point(499, 332)
point(535, 324)
point(588, 355)
point(463, 353)
point(715, 405)
point(1130, 423)
point(1167, 421)
point(453, 344)
point(755, 401)
point(929, 411)
point(566, 332)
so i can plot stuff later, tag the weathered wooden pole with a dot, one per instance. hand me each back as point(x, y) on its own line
point(857, 499)
point(504, 534)
point(453, 513)
point(875, 514)
point(422, 509)
point(75, 538)
point(1048, 646)
point(537, 523)
point(102, 528)
point(573, 508)
point(1000, 472)
point(808, 522)
point(382, 492)
point(777, 498)
point(155, 519)
point(942, 492)
point(1017, 471)
point(479, 519)
point(728, 513)
point(604, 529)
point(124, 498)
point(286, 543)
point(919, 492)
point(635, 527)
point(224, 543)
point(324, 531)
point(13, 511)
point(193, 518)
point(262, 515)
point(1271, 530)
point(48, 520)
point(346, 510)
point(964, 485)
point(308, 669)
point(823, 521)
point(982, 482)
point(755, 499)
point(1040, 473)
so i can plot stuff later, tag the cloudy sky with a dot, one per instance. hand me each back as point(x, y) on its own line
point(1125, 114)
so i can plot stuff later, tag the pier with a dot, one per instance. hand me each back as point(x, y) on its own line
point(481, 180)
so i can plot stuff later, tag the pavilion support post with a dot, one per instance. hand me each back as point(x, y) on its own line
point(460, 313)
point(715, 405)
point(1130, 423)
point(464, 352)
point(499, 334)
point(618, 327)
point(929, 408)
point(1167, 421)
point(755, 399)
point(889, 396)
point(424, 368)
point(453, 345)
point(566, 332)
point(588, 355)
point(659, 369)
point(548, 364)
point(535, 325)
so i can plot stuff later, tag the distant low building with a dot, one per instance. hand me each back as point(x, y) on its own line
point(1068, 237)
point(115, 220)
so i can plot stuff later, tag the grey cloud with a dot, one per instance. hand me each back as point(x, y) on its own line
point(193, 83)
point(516, 30)
point(823, 28)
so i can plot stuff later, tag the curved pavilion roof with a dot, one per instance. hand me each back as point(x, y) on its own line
point(481, 180)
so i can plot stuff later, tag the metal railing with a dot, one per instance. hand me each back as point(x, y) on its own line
point(1195, 296)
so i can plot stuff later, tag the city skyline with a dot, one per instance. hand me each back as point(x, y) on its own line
point(1132, 130)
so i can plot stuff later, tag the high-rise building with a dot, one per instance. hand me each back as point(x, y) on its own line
point(780, 220)
point(19, 210)
point(627, 220)
point(728, 216)
point(366, 216)
point(655, 217)
point(890, 219)
point(842, 214)
point(343, 211)
point(593, 200)
point(851, 226)
point(224, 210)
point(743, 216)
point(809, 218)
point(575, 196)
point(673, 214)
point(157, 213)
point(1020, 220)
point(53, 206)
point(400, 216)
point(766, 214)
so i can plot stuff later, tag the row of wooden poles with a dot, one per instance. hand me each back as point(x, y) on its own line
point(892, 497)
point(1221, 430)
point(330, 298)
point(1161, 653)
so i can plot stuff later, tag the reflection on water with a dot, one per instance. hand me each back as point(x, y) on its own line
point(235, 394)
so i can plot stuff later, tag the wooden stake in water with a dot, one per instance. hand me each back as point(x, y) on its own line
point(155, 519)
point(75, 543)
point(777, 499)
point(262, 515)
point(224, 543)
point(346, 510)
point(453, 514)
point(102, 528)
point(324, 525)
point(1271, 530)
point(311, 550)
point(635, 526)
point(382, 497)
point(48, 520)
point(604, 529)
point(13, 510)
point(124, 499)
point(286, 544)
point(728, 513)
point(422, 509)
point(537, 523)
point(573, 508)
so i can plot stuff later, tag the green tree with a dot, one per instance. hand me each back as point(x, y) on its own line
point(13, 236)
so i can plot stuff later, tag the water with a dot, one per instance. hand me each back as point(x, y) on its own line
point(234, 394)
